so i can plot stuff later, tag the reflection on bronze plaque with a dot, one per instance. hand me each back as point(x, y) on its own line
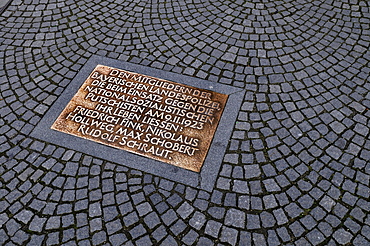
point(156, 118)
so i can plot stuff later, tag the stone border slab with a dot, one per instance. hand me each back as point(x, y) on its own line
point(204, 180)
point(3, 5)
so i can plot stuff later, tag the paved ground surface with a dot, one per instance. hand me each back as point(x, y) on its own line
point(297, 167)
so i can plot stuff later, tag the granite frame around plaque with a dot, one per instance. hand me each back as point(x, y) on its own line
point(205, 179)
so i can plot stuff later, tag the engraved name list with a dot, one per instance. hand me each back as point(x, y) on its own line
point(156, 118)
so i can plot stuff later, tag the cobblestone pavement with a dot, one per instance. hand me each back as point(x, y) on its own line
point(296, 170)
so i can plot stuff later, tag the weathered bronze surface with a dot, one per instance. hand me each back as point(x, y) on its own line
point(156, 118)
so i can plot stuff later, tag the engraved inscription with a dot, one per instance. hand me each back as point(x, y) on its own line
point(156, 118)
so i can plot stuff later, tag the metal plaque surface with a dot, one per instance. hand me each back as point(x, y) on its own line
point(152, 117)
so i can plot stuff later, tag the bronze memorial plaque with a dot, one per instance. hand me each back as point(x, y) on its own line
point(156, 118)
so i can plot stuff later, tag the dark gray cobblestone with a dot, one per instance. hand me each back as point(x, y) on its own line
point(296, 171)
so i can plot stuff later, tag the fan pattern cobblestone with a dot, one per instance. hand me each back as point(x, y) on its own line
point(296, 170)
